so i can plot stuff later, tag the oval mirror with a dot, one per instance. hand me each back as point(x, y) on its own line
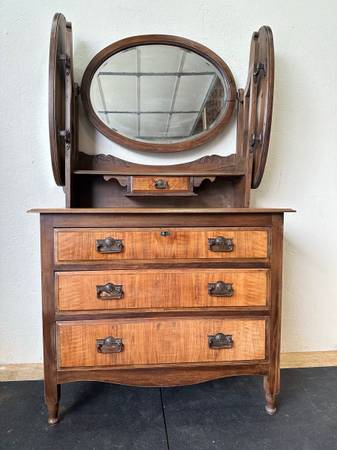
point(158, 93)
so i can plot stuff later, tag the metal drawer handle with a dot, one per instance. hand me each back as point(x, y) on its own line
point(109, 291)
point(109, 345)
point(220, 244)
point(220, 289)
point(220, 340)
point(161, 184)
point(109, 245)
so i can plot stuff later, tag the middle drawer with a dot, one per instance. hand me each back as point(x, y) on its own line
point(161, 289)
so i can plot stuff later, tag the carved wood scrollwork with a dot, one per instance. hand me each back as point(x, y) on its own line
point(210, 165)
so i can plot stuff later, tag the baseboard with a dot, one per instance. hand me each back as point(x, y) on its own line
point(21, 372)
point(295, 360)
point(292, 360)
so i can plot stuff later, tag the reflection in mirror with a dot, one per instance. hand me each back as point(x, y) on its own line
point(158, 93)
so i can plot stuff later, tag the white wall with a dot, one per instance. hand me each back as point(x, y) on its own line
point(301, 170)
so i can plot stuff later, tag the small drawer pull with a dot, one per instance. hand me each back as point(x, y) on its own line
point(220, 244)
point(161, 184)
point(220, 340)
point(109, 245)
point(220, 289)
point(109, 345)
point(109, 291)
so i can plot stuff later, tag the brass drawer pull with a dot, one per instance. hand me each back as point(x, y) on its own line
point(161, 184)
point(220, 340)
point(220, 244)
point(109, 345)
point(220, 289)
point(109, 291)
point(109, 245)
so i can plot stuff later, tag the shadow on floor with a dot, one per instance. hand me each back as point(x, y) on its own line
point(224, 414)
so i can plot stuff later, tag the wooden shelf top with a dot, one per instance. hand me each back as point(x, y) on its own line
point(120, 171)
point(160, 210)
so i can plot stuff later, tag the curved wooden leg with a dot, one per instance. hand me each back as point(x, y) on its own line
point(270, 385)
point(271, 380)
point(52, 399)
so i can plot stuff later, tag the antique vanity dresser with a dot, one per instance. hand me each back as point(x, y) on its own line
point(160, 275)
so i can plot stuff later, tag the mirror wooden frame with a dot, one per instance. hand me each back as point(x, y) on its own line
point(57, 88)
point(159, 39)
point(261, 92)
point(103, 180)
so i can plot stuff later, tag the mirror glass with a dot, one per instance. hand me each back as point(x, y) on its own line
point(158, 93)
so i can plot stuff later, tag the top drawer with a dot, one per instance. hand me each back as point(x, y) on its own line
point(108, 244)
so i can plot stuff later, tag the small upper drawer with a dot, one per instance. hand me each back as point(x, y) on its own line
point(102, 244)
point(159, 185)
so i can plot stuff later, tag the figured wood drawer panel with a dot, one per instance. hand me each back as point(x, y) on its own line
point(76, 245)
point(164, 341)
point(161, 289)
point(149, 184)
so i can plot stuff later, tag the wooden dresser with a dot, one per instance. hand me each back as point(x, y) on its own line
point(160, 275)
point(161, 297)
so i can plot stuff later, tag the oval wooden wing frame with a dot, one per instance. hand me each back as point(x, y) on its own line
point(60, 94)
point(260, 89)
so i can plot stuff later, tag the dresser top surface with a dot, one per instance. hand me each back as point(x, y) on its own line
point(160, 210)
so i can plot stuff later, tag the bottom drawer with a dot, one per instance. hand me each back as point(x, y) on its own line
point(159, 341)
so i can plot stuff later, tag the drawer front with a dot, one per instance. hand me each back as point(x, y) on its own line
point(165, 341)
point(161, 289)
point(79, 245)
point(160, 184)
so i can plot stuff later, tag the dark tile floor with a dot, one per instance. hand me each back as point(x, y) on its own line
point(225, 414)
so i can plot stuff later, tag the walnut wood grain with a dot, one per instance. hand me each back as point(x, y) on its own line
point(161, 289)
point(51, 387)
point(71, 105)
point(164, 341)
point(146, 244)
point(148, 184)
point(259, 100)
point(236, 173)
point(173, 373)
point(163, 375)
point(165, 314)
point(123, 211)
point(57, 96)
point(102, 164)
point(272, 380)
